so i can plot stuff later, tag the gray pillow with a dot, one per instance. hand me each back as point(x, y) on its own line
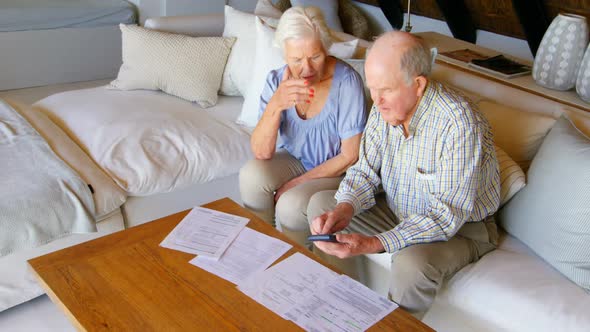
point(551, 214)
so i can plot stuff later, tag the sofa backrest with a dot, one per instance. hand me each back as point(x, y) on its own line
point(193, 25)
point(520, 119)
point(502, 94)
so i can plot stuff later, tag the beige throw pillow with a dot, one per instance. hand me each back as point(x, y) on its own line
point(187, 67)
point(512, 178)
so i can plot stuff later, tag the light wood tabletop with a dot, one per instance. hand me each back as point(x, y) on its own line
point(127, 282)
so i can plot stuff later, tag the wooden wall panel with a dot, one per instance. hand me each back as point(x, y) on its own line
point(498, 15)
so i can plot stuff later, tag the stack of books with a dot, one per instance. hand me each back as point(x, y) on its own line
point(498, 65)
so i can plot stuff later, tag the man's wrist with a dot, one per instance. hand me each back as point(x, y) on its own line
point(350, 199)
point(346, 209)
point(376, 245)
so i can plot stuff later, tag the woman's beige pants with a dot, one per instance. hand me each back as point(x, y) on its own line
point(259, 179)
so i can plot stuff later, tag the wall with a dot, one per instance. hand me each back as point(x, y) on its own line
point(504, 44)
point(154, 8)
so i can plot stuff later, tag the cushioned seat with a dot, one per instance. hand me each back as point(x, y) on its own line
point(517, 290)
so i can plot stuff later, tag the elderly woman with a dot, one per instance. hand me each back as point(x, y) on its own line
point(316, 104)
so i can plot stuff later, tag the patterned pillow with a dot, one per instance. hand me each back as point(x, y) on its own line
point(187, 67)
point(353, 20)
point(551, 215)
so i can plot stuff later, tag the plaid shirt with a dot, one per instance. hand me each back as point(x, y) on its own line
point(445, 173)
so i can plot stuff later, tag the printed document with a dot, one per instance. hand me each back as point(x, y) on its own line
point(205, 232)
point(343, 305)
point(251, 252)
point(287, 283)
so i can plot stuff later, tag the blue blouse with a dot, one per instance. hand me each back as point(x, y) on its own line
point(315, 140)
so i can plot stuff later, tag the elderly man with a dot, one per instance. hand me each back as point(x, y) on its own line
point(434, 158)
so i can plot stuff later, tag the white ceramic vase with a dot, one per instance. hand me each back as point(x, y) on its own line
point(583, 80)
point(561, 51)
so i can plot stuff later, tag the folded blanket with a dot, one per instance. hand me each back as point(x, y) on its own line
point(41, 197)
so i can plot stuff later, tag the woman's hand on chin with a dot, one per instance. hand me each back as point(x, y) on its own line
point(291, 91)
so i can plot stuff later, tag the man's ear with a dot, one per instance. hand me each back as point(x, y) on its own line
point(421, 81)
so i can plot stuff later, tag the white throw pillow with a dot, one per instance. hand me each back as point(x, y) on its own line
point(187, 67)
point(512, 178)
point(344, 50)
point(329, 9)
point(552, 215)
point(361, 47)
point(238, 70)
point(267, 58)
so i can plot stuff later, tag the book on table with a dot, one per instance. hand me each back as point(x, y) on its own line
point(463, 56)
point(501, 66)
point(498, 65)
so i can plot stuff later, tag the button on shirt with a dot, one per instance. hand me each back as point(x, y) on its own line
point(445, 173)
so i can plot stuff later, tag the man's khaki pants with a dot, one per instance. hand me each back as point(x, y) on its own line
point(417, 271)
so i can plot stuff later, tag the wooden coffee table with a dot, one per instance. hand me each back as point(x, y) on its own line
point(127, 282)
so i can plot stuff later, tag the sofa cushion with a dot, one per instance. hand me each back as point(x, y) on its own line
point(512, 178)
point(551, 214)
point(510, 289)
point(187, 67)
point(266, 59)
point(519, 133)
point(149, 142)
point(238, 69)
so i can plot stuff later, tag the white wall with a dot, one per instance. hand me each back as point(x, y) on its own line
point(154, 8)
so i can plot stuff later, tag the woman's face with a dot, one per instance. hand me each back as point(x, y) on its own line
point(306, 58)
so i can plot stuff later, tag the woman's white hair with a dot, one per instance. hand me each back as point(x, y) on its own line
point(302, 22)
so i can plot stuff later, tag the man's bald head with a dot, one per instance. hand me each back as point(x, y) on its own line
point(398, 51)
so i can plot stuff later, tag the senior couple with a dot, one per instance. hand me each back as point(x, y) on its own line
point(417, 176)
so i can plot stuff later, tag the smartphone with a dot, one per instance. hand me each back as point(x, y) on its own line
point(322, 237)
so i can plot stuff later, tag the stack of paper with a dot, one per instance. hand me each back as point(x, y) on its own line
point(205, 232)
point(250, 253)
point(298, 288)
point(316, 298)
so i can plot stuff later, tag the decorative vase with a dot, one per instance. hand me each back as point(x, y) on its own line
point(583, 81)
point(561, 51)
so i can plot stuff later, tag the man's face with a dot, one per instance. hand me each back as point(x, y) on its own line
point(394, 98)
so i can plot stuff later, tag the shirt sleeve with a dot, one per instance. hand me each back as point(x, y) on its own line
point(270, 86)
point(359, 186)
point(352, 114)
point(452, 194)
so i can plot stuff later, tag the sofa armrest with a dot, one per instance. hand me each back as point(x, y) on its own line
point(194, 25)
